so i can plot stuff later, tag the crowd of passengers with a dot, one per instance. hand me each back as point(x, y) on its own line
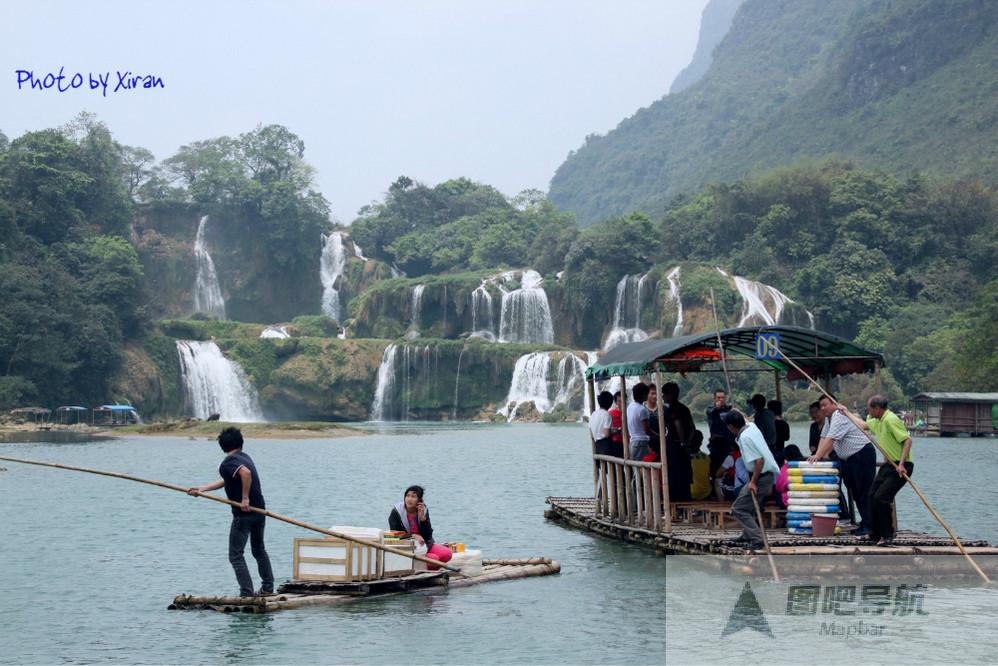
point(749, 454)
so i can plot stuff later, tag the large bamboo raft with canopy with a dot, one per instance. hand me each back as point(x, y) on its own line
point(630, 499)
point(300, 594)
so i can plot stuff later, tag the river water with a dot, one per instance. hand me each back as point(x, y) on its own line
point(90, 564)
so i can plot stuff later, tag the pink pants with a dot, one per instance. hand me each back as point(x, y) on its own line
point(438, 553)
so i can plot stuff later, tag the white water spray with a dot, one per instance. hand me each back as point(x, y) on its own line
point(207, 293)
point(525, 315)
point(216, 385)
point(331, 267)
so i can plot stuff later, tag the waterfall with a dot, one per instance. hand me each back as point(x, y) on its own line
point(591, 358)
point(529, 384)
point(525, 315)
point(417, 302)
point(627, 312)
point(207, 294)
point(763, 304)
point(396, 271)
point(357, 253)
point(571, 380)
point(482, 318)
point(384, 392)
point(532, 383)
point(330, 269)
point(457, 383)
point(674, 297)
point(216, 385)
point(275, 332)
point(398, 384)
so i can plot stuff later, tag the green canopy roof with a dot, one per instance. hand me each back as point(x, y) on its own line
point(818, 353)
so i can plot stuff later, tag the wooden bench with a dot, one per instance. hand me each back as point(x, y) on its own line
point(716, 517)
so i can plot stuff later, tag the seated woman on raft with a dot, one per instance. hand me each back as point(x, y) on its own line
point(411, 516)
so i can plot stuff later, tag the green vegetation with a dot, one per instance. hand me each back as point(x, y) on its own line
point(461, 225)
point(900, 86)
point(72, 284)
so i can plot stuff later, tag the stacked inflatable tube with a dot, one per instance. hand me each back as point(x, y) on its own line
point(813, 491)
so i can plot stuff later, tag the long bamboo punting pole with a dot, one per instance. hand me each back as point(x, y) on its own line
point(661, 452)
point(765, 539)
point(873, 440)
point(223, 500)
point(720, 346)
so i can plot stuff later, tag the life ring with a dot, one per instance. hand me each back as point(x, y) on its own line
point(819, 463)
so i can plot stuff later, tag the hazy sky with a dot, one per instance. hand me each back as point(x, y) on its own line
point(497, 91)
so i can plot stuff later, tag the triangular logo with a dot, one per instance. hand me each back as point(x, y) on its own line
point(747, 614)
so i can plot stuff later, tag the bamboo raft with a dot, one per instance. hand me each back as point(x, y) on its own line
point(695, 538)
point(300, 594)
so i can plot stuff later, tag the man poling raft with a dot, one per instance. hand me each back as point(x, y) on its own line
point(238, 505)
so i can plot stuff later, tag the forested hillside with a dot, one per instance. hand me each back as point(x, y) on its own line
point(899, 86)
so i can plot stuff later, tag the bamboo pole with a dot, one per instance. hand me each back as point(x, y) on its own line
point(626, 437)
point(765, 539)
point(873, 440)
point(720, 346)
point(661, 447)
point(776, 378)
point(592, 408)
point(222, 500)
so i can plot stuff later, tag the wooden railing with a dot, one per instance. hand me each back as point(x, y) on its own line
point(629, 492)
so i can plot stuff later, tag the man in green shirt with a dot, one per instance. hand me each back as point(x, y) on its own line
point(893, 437)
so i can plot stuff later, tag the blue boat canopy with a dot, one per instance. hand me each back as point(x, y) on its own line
point(117, 408)
point(818, 353)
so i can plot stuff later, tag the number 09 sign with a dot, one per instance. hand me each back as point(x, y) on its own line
point(767, 346)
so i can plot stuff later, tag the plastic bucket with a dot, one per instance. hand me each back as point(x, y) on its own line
point(823, 526)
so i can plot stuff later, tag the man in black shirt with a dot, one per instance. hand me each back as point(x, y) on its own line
point(242, 485)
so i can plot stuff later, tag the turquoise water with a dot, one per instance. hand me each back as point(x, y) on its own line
point(90, 564)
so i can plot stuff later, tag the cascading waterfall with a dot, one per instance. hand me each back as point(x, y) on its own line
point(763, 304)
point(591, 358)
point(331, 267)
point(457, 383)
point(277, 332)
point(417, 302)
point(482, 319)
point(404, 371)
point(627, 312)
point(207, 293)
point(674, 297)
point(529, 384)
point(216, 385)
point(532, 382)
point(357, 252)
point(525, 314)
point(385, 390)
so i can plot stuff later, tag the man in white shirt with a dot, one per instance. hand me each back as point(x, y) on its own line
point(761, 466)
point(600, 424)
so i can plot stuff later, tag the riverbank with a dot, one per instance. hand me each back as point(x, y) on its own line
point(279, 430)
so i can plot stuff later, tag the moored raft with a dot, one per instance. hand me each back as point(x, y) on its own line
point(299, 594)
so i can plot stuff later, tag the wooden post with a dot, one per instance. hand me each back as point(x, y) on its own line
point(661, 445)
point(625, 436)
point(628, 493)
point(596, 466)
point(776, 376)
